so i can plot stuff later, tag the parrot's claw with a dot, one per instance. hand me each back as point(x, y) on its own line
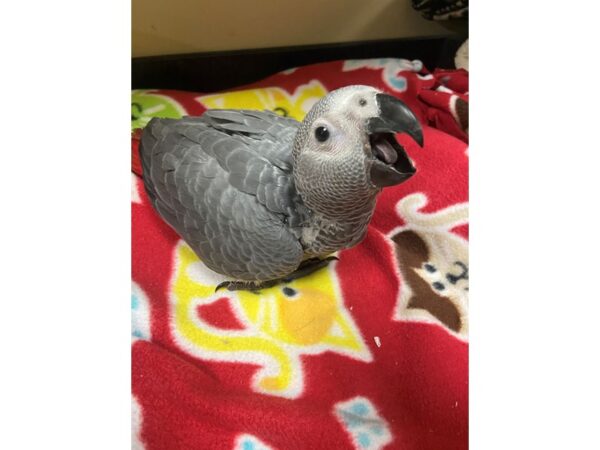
point(306, 268)
point(250, 286)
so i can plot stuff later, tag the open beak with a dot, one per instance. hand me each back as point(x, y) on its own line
point(390, 165)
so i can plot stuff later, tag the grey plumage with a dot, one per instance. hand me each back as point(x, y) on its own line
point(254, 194)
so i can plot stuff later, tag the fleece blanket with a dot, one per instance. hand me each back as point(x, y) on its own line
point(370, 352)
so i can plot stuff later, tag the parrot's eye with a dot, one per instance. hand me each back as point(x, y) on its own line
point(362, 102)
point(322, 134)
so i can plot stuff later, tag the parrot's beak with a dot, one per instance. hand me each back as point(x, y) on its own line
point(390, 165)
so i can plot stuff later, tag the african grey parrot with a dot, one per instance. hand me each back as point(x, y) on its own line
point(263, 198)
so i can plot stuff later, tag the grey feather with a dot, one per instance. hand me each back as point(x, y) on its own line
point(254, 194)
point(223, 182)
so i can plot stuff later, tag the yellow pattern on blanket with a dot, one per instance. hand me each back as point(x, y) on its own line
point(306, 316)
point(273, 99)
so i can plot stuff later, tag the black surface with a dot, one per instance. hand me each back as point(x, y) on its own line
point(207, 72)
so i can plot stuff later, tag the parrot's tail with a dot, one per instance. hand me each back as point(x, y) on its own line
point(136, 162)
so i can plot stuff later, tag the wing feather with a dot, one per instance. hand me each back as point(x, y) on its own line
point(223, 181)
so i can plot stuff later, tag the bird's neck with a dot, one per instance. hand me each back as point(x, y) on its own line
point(331, 229)
point(339, 202)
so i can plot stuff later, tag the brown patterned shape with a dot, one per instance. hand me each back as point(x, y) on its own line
point(412, 253)
point(462, 112)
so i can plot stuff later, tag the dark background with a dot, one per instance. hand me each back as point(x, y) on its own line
point(207, 72)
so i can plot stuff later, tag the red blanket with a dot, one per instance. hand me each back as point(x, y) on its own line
point(368, 353)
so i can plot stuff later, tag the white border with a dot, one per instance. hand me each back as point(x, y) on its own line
point(534, 226)
point(65, 183)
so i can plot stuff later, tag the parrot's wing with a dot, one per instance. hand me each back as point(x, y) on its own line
point(223, 181)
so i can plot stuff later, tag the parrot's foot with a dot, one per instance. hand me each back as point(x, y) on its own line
point(250, 286)
point(306, 268)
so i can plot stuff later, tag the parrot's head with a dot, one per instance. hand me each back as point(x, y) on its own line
point(345, 151)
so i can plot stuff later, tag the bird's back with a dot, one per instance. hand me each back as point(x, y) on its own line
point(224, 182)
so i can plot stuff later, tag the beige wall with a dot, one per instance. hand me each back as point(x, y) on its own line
point(162, 27)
